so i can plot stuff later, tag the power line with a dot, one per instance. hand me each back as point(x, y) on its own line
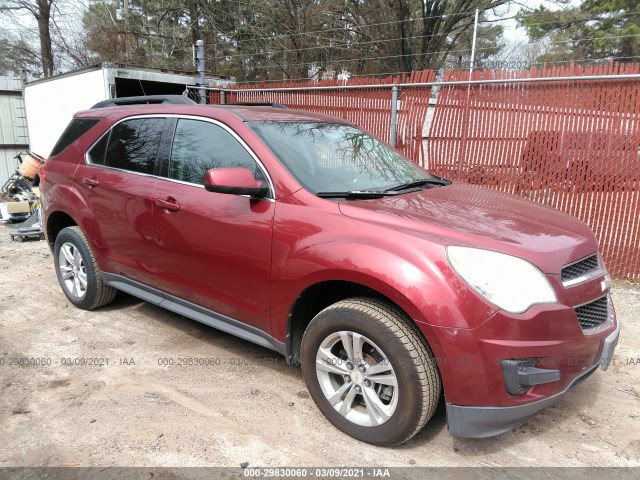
point(356, 45)
point(386, 57)
point(366, 25)
point(272, 37)
point(606, 59)
point(410, 55)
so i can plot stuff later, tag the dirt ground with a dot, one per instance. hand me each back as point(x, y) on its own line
point(247, 405)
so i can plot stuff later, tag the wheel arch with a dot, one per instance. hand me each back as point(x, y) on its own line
point(316, 297)
point(56, 221)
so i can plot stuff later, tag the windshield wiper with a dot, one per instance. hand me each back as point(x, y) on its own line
point(357, 194)
point(419, 183)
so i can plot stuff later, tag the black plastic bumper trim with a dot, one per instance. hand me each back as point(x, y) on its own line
point(480, 422)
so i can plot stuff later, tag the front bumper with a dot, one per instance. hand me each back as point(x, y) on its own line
point(479, 422)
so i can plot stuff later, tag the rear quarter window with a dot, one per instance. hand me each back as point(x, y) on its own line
point(77, 128)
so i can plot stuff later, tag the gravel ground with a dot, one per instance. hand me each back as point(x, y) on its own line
point(247, 405)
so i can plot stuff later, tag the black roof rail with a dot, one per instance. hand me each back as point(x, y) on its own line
point(145, 100)
point(258, 104)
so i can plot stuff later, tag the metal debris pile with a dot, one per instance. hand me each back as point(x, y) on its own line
point(20, 198)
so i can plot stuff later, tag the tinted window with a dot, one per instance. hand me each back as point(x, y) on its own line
point(133, 144)
point(77, 128)
point(96, 154)
point(199, 146)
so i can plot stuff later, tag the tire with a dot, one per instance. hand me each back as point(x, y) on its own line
point(77, 271)
point(392, 349)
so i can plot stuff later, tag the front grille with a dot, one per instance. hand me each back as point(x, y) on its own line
point(593, 314)
point(579, 269)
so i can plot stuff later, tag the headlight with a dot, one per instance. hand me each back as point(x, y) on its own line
point(510, 283)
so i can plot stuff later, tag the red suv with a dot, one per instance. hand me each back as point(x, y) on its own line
point(304, 234)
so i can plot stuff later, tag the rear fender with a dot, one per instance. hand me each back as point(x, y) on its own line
point(67, 198)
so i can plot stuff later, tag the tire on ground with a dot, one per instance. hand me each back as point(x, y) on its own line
point(97, 293)
point(397, 336)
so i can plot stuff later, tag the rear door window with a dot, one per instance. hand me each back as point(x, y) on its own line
point(133, 145)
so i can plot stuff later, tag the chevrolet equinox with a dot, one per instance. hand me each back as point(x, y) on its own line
point(392, 287)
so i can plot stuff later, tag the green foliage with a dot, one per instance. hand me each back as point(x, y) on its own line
point(594, 30)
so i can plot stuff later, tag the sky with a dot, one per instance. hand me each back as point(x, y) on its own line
point(514, 34)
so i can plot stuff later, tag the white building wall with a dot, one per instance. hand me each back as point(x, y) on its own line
point(8, 164)
point(13, 125)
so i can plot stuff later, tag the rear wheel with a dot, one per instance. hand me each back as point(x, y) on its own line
point(369, 371)
point(78, 272)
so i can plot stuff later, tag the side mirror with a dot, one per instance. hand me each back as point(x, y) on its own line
point(234, 181)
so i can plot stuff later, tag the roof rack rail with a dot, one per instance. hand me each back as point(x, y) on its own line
point(145, 100)
point(258, 104)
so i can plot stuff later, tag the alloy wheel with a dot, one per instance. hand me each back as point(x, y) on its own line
point(357, 378)
point(72, 270)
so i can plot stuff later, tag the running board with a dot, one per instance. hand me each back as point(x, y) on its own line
point(193, 311)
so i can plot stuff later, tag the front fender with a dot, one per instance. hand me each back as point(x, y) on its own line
point(410, 271)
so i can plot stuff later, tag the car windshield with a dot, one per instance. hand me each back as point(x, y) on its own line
point(333, 157)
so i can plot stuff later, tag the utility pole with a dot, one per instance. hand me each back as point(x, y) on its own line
point(125, 13)
point(473, 44)
point(201, 76)
point(462, 156)
point(393, 128)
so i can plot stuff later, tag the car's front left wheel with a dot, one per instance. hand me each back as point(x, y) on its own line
point(78, 272)
point(370, 371)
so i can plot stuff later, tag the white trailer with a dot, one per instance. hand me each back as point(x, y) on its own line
point(51, 102)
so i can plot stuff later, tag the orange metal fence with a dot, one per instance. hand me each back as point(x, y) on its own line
point(573, 144)
point(361, 101)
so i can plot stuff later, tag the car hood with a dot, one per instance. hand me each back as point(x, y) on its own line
point(460, 214)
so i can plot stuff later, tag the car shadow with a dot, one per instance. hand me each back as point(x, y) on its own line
point(560, 416)
point(435, 427)
point(581, 397)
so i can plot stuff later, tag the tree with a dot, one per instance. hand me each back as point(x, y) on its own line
point(445, 23)
point(489, 43)
point(15, 56)
point(41, 11)
point(594, 30)
point(378, 36)
point(290, 39)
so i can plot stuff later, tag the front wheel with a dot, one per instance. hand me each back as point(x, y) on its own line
point(369, 371)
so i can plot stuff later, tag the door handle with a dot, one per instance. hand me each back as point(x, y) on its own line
point(91, 181)
point(168, 204)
